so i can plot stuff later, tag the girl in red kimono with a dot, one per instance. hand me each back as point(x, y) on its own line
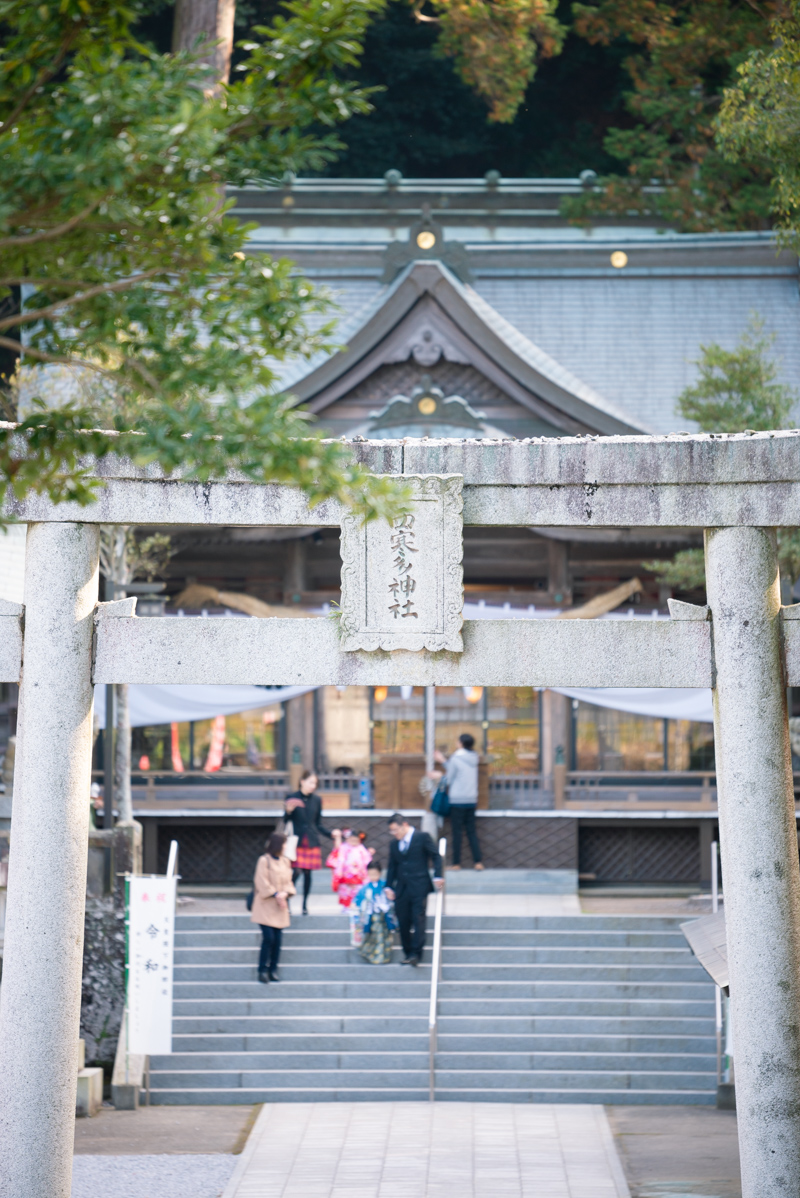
point(349, 861)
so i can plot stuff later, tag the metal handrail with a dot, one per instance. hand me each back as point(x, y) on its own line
point(436, 975)
point(717, 990)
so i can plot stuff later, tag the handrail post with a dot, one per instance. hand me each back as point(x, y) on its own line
point(436, 977)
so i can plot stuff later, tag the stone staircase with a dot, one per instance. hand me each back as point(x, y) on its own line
point(583, 1008)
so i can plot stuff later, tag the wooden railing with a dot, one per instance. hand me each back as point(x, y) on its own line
point(623, 788)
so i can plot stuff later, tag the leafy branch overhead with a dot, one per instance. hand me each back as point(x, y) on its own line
point(683, 54)
point(760, 116)
point(496, 45)
point(114, 161)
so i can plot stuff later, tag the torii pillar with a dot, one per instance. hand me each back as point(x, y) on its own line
point(41, 991)
point(758, 842)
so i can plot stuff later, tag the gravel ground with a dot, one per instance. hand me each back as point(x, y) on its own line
point(160, 1176)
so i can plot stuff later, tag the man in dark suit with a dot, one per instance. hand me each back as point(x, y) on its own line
point(408, 882)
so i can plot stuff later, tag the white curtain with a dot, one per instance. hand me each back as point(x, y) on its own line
point(659, 702)
point(151, 705)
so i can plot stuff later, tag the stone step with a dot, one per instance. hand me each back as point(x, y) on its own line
point(513, 881)
point(556, 1008)
point(463, 1025)
point(387, 1078)
point(464, 1008)
point(313, 1042)
point(296, 1024)
point(300, 973)
point(560, 938)
point(244, 991)
point(487, 957)
point(560, 923)
point(238, 1097)
point(219, 1079)
point(380, 1060)
point(451, 991)
point(308, 1041)
point(592, 1062)
point(521, 938)
point(478, 972)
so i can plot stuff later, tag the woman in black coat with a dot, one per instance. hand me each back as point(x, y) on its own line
point(304, 812)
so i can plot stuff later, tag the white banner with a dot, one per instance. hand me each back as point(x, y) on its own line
point(151, 936)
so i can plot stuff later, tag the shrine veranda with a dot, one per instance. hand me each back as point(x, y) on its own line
point(743, 644)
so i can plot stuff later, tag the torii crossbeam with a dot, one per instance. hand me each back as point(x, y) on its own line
point(738, 488)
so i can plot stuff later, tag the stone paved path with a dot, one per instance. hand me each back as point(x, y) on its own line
point(415, 1150)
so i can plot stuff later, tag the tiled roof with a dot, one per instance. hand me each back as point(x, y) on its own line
point(435, 279)
point(636, 339)
point(624, 341)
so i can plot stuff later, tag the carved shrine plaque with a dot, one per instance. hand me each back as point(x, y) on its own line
point(402, 583)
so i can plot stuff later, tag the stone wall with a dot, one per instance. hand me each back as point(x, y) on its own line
point(103, 986)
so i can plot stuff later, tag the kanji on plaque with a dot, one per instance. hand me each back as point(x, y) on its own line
point(402, 581)
point(151, 935)
point(403, 585)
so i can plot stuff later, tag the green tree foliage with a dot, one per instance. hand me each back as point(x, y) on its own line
point(426, 121)
point(685, 572)
point(113, 165)
point(760, 116)
point(736, 391)
point(495, 45)
point(686, 53)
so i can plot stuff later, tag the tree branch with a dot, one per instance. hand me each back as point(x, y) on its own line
point(62, 359)
point(22, 281)
point(419, 15)
point(143, 372)
point(41, 356)
point(101, 289)
point(49, 234)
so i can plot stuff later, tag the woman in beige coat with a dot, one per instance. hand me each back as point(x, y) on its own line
point(272, 886)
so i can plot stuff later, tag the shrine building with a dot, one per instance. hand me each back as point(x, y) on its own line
point(469, 308)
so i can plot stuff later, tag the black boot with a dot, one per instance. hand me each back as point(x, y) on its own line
point(263, 976)
point(273, 975)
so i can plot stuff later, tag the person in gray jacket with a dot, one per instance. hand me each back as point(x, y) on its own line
point(462, 790)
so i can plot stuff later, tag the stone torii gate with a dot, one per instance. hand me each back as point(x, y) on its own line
point(401, 623)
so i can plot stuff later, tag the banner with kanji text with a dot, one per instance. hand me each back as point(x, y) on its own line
point(151, 936)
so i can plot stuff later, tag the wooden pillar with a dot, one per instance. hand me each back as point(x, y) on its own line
point(558, 582)
point(554, 744)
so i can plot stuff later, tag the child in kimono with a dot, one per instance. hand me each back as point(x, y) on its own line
point(375, 918)
point(349, 861)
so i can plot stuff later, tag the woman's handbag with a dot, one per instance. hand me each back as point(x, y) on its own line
point(290, 848)
point(440, 803)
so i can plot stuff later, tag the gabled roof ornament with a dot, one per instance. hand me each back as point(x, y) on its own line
point(428, 413)
point(426, 240)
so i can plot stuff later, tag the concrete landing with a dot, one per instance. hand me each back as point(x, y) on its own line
point(419, 1150)
point(459, 902)
point(512, 881)
point(499, 905)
